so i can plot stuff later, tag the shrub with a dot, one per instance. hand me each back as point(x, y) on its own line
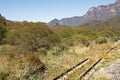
point(32, 59)
point(59, 48)
point(42, 51)
point(3, 76)
point(101, 40)
point(85, 42)
point(32, 37)
point(3, 28)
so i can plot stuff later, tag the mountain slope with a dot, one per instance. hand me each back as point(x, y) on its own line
point(100, 13)
point(113, 22)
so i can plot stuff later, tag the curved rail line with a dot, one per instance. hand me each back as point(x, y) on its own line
point(61, 75)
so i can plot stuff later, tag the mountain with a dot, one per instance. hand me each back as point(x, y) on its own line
point(113, 22)
point(99, 13)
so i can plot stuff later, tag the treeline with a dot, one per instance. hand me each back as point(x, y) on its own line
point(85, 35)
point(38, 35)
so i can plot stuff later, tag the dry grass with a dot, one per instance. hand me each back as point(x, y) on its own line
point(55, 64)
point(16, 63)
point(59, 64)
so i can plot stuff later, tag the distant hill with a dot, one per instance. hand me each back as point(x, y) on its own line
point(112, 22)
point(99, 13)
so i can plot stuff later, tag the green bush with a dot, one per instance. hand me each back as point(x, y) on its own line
point(85, 42)
point(101, 40)
point(3, 76)
point(32, 37)
point(3, 28)
point(59, 48)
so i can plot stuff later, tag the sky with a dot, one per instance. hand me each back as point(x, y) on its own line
point(46, 10)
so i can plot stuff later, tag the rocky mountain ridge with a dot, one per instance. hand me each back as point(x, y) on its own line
point(100, 13)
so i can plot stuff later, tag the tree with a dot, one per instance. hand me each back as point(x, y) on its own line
point(3, 28)
point(33, 36)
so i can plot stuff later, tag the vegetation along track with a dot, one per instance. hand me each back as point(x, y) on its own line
point(71, 69)
point(89, 69)
point(64, 75)
point(92, 66)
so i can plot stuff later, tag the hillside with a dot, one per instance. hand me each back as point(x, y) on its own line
point(35, 51)
point(99, 13)
point(113, 22)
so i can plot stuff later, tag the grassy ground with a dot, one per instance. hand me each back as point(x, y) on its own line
point(100, 73)
point(59, 64)
point(56, 64)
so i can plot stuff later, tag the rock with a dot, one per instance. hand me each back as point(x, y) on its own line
point(113, 71)
point(101, 12)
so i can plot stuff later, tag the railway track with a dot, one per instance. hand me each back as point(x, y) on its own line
point(71, 70)
point(92, 66)
point(64, 75)
point(89, 69)
point(110, 50)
